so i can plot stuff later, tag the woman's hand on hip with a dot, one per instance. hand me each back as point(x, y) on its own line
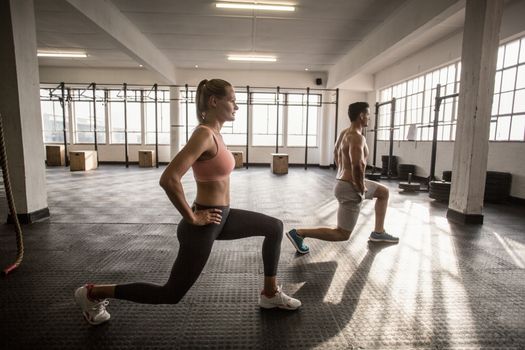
point(206, 217)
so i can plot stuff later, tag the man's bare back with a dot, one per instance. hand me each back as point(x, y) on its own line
point(350, 154)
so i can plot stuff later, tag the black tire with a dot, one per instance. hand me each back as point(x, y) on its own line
point(439, 190)
point(497, 186)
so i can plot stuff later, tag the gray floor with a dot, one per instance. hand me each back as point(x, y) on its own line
point(443, 286)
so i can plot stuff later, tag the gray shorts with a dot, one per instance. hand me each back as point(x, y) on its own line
point(350, 202)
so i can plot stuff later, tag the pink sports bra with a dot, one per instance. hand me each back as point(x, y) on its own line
point(217, 168)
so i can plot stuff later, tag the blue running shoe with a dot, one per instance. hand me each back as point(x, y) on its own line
point(382, 237)
point(298, 242)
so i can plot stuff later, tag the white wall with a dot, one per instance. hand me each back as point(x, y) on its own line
point(503, 156)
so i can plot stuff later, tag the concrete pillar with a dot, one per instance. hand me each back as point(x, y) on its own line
point(20, 109)
point(478, 67)
point(174, 122)
point(326, 143)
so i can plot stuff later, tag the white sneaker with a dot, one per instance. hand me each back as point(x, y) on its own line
point(280, 300)
point(94, 311)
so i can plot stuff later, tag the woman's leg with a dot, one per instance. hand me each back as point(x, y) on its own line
point(244, 223)
point(195, 246)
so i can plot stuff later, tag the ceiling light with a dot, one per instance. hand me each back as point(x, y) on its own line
point(245, 6)
point(252, 58)
point(306, 69)
point(196, 66)
point(61, 53)
point(140, 65)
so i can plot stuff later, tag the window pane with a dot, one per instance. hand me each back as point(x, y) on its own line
point(503, 128)
point(52, 122)
point(520, 82)
point(519, 101)
point(517, 133)
point(117, 122)
point(499, 63)
point(264, 120)
point(509, 77)
point(495, 104)
point(497, 82)
point(505, 103)
point(492, 135)
point(522, 51)
point(163, 122)
point(511, 54)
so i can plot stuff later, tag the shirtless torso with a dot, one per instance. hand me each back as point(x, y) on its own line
point(350, 155)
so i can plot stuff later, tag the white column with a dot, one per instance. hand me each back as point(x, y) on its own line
point(20, 109)
point(326, 143)
point(478, 67)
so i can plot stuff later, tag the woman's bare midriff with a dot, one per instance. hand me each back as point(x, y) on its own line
point(212, 193)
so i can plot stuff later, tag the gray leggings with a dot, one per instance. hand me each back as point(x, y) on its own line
point(195, 247)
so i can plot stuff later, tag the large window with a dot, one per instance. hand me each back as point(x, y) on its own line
point(415, 100)
point(117, 114)
point(190, 113)
point(414, 106)
point(52, 117)
point(287, 118)
point(297, 108)
point(163, 117)
point(82, 107)
point(264, 119)
point(508, 107)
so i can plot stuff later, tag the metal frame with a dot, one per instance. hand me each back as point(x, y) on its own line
point(434, 125)
point(126, 124)
point(392, 104)
point(336, 120)
point(63, 104)
point(277, 126)
point(124, 87)
point(248, 103)
point(156, 129)
point(306, 131)
point(94, 87)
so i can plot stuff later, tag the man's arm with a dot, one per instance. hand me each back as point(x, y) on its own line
point(337, 144)
point(357, 145)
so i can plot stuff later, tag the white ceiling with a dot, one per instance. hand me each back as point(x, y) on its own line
point(195, 32)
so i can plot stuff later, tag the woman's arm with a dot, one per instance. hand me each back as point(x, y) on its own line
point(200, 141)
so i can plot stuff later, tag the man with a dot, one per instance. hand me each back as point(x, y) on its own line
point(351, 188)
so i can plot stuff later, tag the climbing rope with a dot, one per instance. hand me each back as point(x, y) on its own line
point(12, 208)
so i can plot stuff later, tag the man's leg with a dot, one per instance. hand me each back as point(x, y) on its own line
point(381, 193)
point(325, 233)
point(347, 214)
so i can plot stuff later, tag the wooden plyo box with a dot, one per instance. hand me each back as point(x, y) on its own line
point(280, 163)
point(55, 155)
point(146, 158)
point(82, 160)
point(238, 155)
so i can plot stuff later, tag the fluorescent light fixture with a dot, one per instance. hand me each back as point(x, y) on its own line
point(61, 53)
point(247, 6)
point(252, 58)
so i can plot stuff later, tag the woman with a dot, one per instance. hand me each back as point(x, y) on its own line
point(210, 217)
